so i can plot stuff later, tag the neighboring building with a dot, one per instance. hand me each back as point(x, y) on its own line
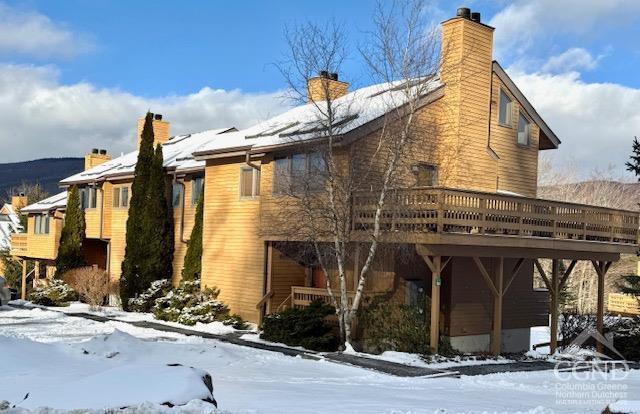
point(10, 220)
point(468, 211)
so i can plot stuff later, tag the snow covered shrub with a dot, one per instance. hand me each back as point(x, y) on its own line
point(92, 284)
point(188, 304)
point(389, 326)
point(236, 322)
point(58, 293)
point(305, 327)
point(146, 300)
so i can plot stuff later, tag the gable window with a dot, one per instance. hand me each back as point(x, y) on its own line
point(197, 186)
point(426, 175)
point(523, 130)
point(299, 172)
point(41, 224)
point(504, 115)
point(249, 182)
point(176, 195)
point(121, 197)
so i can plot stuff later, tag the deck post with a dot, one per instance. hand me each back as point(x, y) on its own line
point(496, 337)
point(601, 269)
point(434, 337)
point(555, 265)
point(23, 288)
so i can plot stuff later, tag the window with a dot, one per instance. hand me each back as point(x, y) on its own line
point(299, 172)
point(504, 116)
point(88, 197)
point(249, 182)
point(523, 130)
point(121, 197)
point(41, 225)
point(176, 195)
point(426, 175)
point(197, 185)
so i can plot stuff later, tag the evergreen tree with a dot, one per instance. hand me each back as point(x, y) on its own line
point(157, 225)
point(193, 259)
point(70, 254)
point(630, 285)
point(136, 241)
point(634, 164)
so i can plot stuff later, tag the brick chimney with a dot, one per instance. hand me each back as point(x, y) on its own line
point(19, 201)
point(95, 157)
point(160, 130)
point(326, 84)
point(466, 70)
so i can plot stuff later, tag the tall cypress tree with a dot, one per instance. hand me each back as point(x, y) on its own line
point(70, 253)
point(193, 259)
point(133, 265)
point(157, 225)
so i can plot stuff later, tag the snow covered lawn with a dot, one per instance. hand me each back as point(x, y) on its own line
point(52, 355)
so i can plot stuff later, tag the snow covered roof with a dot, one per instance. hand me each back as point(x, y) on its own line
point(301, 123)
point(177, 151)
point(9, 224)
point(56, 202)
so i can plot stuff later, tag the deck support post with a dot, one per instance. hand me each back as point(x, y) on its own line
point(436, 265)
point(497, 286)
point(601, 268)
point(23, 287)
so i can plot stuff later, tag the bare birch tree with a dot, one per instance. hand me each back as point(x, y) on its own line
point(402, 55)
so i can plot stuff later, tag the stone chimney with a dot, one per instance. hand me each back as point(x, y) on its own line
point(95, 157)
point(160, 130)
point(19, 201)
point(326, 84)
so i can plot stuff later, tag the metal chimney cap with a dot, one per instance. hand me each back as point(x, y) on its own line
point(158, 117)
point(475, 16)
point(324, 73)
point(103, 152)
point(94, 151)
point(333, 76)
point(464, 12)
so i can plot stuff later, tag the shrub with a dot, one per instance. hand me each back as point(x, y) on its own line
point(188, 304)
point(145, 301)
point(58, 293)
point(92, 284)
point(236, 322)
point(388, 326)
point(305, 327)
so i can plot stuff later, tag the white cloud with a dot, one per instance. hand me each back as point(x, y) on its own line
point(34, 34)
point(595, 121)
point(524, 24)
point(39, 117)
point(573, 59)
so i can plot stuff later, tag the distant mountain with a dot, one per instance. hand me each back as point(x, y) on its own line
point(47, 172)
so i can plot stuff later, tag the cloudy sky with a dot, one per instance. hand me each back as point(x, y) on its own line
point(76, 74)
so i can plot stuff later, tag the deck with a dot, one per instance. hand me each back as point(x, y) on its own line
point(437, 215)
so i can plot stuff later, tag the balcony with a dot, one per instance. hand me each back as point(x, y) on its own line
point(19, 246)
point(448, 216)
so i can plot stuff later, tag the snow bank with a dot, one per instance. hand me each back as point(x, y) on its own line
point(625, 406)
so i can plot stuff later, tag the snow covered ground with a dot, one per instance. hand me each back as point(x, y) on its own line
point(52, 356)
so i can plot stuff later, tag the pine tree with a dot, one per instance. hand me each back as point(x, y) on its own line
point(70, 254)
point(630, 285)
point(157, 225)
point(136, 242)
point(193, 259)
point(634, 164)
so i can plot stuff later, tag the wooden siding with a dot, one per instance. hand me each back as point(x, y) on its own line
point(182, 231)
point(234, 255)
point(44, 246)
point(285, 273)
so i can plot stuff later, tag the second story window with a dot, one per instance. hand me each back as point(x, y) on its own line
point(41, 224)
point(121, 197)
point(249, 182)
point(504, 115)
point(197, 186)
point(523, 130)
point(176, 195)
point(299, 173)
point(426, 175)
point(88, 197)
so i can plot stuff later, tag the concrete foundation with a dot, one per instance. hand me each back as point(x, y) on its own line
point(513, 340)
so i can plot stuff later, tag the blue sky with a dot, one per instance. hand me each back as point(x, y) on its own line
point(75, 74)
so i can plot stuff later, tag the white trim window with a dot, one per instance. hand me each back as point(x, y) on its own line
point(506, 107)
point(524, 128)
point(88, 197)
point(176, 195)
point(197, 187)
point(41, 224)
point(249, 182)
point(120, 197)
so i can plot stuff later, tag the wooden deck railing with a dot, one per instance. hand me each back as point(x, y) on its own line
point(444, 210)
point(301, 296)
point(623, 304)
point(19, 245)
